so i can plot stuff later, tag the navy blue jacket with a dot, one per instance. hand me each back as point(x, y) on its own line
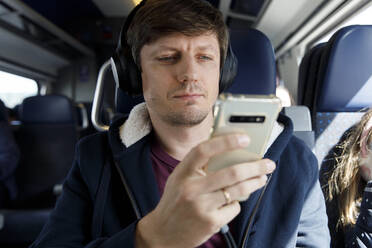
point(95, 208)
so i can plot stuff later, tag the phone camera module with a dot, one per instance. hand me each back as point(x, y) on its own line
point(246, 119)
point(260, 119)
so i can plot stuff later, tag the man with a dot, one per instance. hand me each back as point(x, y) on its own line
point(155, 192)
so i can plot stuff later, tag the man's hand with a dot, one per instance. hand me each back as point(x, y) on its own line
point(193, 206)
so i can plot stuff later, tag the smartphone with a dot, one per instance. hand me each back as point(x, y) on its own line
point(254, 115)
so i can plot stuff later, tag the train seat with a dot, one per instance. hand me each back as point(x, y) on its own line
point(308, 74)
point(343, 85)
point(256, 63)
point(46, 139)
point(302, 127)
point(257, 75)
point(84, 112)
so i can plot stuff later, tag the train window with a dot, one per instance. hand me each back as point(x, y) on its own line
point(14, 88)
point(283, 94)
point(362, 17)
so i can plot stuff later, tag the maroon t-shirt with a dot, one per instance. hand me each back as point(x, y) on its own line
point(163, 165)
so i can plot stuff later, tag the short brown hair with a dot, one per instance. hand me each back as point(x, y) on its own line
point(158, 18)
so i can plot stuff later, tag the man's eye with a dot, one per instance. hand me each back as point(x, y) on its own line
point(205, 57)
point(167, 58)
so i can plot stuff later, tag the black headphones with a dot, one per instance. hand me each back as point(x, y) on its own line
point(128, 77)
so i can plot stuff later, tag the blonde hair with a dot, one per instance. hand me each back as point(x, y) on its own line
point(345, 181)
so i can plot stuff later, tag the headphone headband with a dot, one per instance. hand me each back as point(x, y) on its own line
point(127, 23)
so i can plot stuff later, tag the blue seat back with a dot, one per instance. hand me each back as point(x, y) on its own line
point(347, 71)
point(256, 63)
point(341, 86)
point(46, 138)
point(308, 75)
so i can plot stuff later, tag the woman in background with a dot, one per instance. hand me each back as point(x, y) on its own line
point(347, 185)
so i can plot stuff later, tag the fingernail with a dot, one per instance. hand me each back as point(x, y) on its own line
point(201, 172)
point(270, 165)
point(243, 140)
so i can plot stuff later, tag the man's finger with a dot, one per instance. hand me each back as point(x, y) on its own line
point(242, 190)
point(237, 173)
point(227, 213)
point(198, 157)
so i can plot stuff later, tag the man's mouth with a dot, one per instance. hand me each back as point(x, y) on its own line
point(188, 96)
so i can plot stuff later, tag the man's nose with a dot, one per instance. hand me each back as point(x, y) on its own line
point(188, 70)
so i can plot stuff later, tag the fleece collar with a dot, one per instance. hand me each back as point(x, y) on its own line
point(138, 125)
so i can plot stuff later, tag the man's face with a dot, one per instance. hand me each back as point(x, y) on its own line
point(180, 77)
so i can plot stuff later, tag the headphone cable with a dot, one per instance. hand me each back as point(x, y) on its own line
point(228, 237)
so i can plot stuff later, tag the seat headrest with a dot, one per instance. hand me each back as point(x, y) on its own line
point(256, 67)
point(49, 109)
point(347, 82)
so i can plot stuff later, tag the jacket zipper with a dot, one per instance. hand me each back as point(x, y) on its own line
point(254, 212)
point(133, 202)
point(129, 192)
point(138, 214)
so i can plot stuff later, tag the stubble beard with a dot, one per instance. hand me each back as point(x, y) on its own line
point(189, 116)
point(185, 118)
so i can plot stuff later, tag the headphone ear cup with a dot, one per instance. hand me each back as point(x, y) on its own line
point(229, 70)
point(133, 75)
point(126, 74)
point(117, 69)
